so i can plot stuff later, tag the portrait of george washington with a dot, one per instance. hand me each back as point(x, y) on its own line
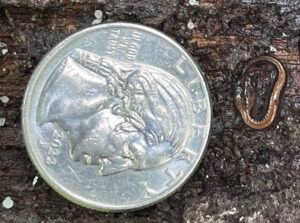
point(117, 115)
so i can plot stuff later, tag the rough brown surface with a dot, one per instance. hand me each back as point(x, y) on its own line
point(246, 175)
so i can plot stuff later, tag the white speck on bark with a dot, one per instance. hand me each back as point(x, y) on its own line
point(8, 203)
point(3, 45)
point(2, 122)
point(232, 211)
point(98, 14)
point(4, 99)
point(4, 51)
point(190, 25)
point(96, 21)
point(35, 179)
point(273, 49)
point(194, 2)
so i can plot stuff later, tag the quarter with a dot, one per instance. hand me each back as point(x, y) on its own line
point(116, 117)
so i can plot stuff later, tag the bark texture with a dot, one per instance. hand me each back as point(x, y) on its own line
point(246, 175)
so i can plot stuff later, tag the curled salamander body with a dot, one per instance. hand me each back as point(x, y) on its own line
point(245, 105)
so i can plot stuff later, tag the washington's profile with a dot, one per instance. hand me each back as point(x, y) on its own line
point(117, 115)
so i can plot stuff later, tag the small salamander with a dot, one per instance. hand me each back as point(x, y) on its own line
point(245, 106)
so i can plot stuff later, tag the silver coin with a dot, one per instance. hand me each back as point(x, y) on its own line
point(116, 117)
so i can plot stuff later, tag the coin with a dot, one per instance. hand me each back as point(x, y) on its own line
point(116, 117)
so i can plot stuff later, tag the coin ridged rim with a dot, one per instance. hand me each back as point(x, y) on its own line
point(51, 181)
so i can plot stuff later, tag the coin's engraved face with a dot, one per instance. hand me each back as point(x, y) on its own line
point(116, 117)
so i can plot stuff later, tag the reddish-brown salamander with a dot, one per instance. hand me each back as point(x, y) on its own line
point(245, 105)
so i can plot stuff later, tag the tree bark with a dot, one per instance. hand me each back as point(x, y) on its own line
point(246, 175)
